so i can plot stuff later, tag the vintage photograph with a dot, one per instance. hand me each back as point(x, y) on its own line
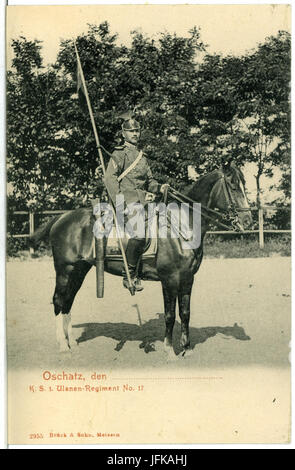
point(148, 169)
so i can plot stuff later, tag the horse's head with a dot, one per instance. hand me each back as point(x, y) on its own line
point(228, 195)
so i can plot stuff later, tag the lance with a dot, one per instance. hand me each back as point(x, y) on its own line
point(99, 264)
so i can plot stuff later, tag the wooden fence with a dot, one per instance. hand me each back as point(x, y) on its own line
point(261, 230)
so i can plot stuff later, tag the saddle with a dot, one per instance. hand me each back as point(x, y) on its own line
point(113, 251)
point(112, 248)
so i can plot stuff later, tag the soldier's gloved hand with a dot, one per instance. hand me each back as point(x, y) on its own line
point(164, 187)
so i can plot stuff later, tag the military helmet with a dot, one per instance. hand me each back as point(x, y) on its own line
point(130, 125)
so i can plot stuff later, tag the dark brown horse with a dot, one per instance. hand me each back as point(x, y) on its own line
point(71, 238)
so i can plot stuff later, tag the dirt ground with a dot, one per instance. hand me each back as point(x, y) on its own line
point(233, 388)
point(240, 315)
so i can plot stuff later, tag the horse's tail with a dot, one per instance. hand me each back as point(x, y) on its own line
point(42, 233)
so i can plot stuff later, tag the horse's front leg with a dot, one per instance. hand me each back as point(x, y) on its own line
point(184, 313)
point(169, 306)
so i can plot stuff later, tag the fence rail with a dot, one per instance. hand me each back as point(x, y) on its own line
point(260, 231)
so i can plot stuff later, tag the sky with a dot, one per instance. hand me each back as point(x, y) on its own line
point(226, 29)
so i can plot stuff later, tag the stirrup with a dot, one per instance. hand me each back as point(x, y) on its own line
point(136, 283)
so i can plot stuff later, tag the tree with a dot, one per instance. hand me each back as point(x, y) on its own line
point(244, 110)
point(265, 108)
point(35, 107)
point(192, 113)
point(152, 78)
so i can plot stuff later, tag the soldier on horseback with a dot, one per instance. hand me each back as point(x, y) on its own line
point(128, 173)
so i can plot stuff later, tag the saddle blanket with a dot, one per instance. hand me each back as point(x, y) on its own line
point(113, 250)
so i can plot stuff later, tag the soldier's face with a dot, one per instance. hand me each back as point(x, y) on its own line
point(132, 136)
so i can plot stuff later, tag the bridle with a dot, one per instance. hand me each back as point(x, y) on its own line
point(232, 212)
point(222, 185)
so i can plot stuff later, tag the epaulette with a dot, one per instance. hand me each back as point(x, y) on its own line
point(119, 147)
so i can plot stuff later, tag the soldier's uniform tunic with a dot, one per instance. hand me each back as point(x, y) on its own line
point(137, 182)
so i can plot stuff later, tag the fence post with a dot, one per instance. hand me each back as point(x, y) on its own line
point(31, 229)
point(260, 222)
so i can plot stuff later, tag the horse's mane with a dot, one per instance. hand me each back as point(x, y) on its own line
point(208, 177)
point(232, 172)
point(236, 174)
point(204, 183)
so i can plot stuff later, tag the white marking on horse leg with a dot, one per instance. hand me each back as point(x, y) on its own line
point(60, 334)
point(187, 352)
point(171, 356)
point(168, 348)
point(68, 330)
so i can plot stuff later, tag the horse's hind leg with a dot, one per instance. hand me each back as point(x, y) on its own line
point(62, 279)
point(68, 281)
point(184, 299)
point(184, 313)
point(169, 305)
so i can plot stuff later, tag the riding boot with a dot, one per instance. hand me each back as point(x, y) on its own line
point(134, 251)
point(134, 280)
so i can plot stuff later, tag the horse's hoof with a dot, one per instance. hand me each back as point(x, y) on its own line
point(171, 356)
point(64, 349)
point(63, 346)
point(168, 349)
point(187, 353)
point(73, 345)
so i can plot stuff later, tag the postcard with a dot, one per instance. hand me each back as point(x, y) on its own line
point(148, 218)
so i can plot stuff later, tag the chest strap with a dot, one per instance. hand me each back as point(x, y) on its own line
point(133, 165)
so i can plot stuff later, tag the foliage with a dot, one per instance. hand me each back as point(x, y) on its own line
point(35, 109)
point(265, 109)
point(192, 113)
point(245, 108)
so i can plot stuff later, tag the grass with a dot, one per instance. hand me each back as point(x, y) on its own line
point(248, 247)
point(214, 247)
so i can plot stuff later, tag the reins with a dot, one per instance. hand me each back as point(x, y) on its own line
point(180, 197)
